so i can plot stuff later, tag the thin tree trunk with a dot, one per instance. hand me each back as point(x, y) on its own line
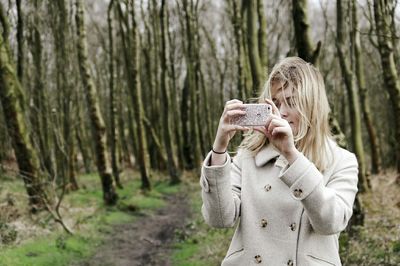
point(98, 127)
point(253, 52)
point(359, 69)
point(352, 94)
point(390, 76)
point(20, 43)
point(166, 101)
point(175, 99)
point(262, 36)
point(193, 142)
point(113, 140)
point(39, 113)
point(238, 31)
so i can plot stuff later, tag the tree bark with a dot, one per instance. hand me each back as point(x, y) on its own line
point(253, 52)
point(36, 185)
point(98, 128)
point(113, 128)
point(359, 69)
point(262, 37)
point(20, 43)
point(353, 98)
point(192, 143)
point(166, 101)
point(238, 32)
point(305, 49)
point(390, 75)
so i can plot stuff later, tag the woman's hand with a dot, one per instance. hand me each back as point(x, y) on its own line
point(226, 131)
point(279, 133)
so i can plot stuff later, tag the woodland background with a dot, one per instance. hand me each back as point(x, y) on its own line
point(109, 106)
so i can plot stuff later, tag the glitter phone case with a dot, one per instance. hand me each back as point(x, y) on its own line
point(256, 115)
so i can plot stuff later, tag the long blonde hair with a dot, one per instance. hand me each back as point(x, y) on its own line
point(313, 137)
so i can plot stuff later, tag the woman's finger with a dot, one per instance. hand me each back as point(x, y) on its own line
point(233, 106)
point(233, 101)
point(276, 123)
point(280, 130)
point(261, 129)
point(236, 112)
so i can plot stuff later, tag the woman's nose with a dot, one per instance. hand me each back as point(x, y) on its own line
point(283, 110)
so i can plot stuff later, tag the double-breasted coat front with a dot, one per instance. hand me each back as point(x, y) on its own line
point(287, 214)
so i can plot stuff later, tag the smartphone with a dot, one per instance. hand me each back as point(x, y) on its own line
point(256, 115)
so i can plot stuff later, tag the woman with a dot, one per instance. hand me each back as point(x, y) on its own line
point(290, 185)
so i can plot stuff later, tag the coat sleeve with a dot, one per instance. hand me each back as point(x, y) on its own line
point(221, 189)
point(329, 207)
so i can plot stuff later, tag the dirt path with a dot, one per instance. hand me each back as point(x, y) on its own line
point(147, 241)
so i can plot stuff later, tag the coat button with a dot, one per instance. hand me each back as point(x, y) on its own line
point(267, 187)
point(258, 259)
point(297, 192)
point(264, 223)
point(290, 263)
point(293, 227)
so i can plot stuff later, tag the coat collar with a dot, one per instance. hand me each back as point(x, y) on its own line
point(266, 154)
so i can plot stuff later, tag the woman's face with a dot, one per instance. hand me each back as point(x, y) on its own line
point(283, 99)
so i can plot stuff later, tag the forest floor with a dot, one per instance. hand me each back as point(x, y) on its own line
point(147, 241)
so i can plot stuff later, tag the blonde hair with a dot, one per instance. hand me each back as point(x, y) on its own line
point(313, 137)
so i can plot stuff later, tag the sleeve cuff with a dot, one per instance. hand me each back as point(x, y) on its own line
point(210, 175)
point(302, 177)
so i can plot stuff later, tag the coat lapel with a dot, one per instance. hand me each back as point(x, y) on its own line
point(266, 154)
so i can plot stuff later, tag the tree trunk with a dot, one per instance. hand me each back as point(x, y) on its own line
point(252, 41)
point(28, 163)
point(192, 143)
point(166, 101)
point(304, 47)
point(113, 128)
point(20, 43)
point(39, 114)
point(175, 98)
point(390, 76)
point(359, 64)
point(237, 30)
point(262, 37)
point(352, 94)
point(132, 61)
point(98, 128)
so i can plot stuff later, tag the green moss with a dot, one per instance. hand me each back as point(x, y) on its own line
point(48, 251)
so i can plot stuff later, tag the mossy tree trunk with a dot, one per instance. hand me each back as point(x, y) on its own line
point(175, 96)
point(262, 37)
point(353, 98)
point(20, 43)
point(253, 51)
point(359, 69)
point(37, 186)
point(98, 128)
point(39, 112)
point(112, 107)
point(191, 93)
point(166, 100)
point(390, 75)
point(238, 32)
point(131, 57)
point(304, 46)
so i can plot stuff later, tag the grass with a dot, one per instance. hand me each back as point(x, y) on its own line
point(90, 219)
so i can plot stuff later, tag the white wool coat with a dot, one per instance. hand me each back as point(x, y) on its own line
point(287, 214)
